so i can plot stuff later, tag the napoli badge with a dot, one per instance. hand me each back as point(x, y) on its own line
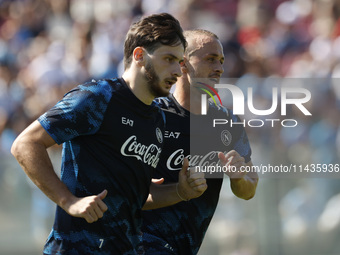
point(159, 135)
point(226, 137)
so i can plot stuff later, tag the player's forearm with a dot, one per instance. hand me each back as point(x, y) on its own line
point(161, 196)
point(245, 187)
point(34, 160)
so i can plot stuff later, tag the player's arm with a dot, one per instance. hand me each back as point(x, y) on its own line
point(30, 150)
point(242, 183)
point(190, 185)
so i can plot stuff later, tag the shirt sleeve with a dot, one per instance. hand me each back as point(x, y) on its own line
point(80, 112)
point(242, 145)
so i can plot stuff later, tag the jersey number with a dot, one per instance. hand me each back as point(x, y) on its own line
point(101, 243)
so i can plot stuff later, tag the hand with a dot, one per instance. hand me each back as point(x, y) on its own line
point(90, 208)
point(191, 184)
point(233, 160)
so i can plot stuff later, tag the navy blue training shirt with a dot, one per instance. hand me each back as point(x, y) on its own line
point(111, 140)
point(180, 228)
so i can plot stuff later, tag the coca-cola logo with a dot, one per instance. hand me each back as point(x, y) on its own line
point(148, 154)
point(175, 160)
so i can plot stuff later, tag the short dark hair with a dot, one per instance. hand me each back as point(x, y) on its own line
point(151, 32)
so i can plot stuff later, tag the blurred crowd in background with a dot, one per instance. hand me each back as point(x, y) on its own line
point(48, 47)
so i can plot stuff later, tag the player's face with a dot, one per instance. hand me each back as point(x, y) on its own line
point(162, 69)
point(206, 63)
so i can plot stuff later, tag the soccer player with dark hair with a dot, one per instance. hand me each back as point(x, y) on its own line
point(180, 228)
point(112, 136)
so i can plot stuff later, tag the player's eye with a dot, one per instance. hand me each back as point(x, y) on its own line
point(169, 59)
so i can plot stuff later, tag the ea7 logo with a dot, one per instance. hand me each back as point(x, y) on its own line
point(127, 121)
point(169, 134)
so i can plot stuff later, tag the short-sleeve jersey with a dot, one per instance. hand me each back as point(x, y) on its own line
point(111, 140)
point(180, 228)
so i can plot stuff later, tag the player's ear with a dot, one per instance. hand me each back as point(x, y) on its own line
point(184, 64)
point(139, 55)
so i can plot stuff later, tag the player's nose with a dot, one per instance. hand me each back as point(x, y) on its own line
point(177, 72)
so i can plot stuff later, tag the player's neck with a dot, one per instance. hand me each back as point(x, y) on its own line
point(136, 82)
point(190, 102)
